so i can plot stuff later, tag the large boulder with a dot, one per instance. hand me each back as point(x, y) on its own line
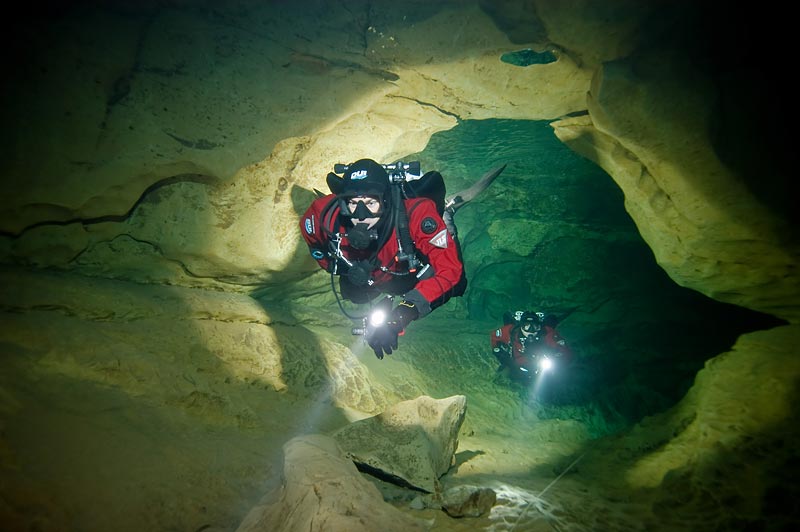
point(322, 491)
point(413, 442)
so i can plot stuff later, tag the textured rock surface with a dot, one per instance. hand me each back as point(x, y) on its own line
point(104, 332)
point(413, 441)
point(468, 501)
point(706, 229)
point(323, 491)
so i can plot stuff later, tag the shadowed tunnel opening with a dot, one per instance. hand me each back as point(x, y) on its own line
point(552, 234)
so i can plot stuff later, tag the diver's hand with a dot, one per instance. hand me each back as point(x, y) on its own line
point(503, 354)
point(403, 314)
point(383, 338)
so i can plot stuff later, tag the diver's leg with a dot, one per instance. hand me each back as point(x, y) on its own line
point(459, 199)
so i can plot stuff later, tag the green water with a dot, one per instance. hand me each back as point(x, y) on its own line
point(552, 234)
point(558, 184)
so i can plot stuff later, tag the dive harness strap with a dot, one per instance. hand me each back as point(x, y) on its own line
point(405, 246)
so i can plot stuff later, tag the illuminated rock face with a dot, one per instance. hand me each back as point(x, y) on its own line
point(177, 147)
point(200, 182)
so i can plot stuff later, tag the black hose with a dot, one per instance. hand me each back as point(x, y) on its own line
point(339, 302)
point(406, 249)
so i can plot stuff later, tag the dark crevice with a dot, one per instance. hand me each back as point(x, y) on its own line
point(182, 178)
point(428, 104)
point(386, 477)
point(341, 63)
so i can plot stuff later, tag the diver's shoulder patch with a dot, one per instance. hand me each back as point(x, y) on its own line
point(440, 240)
point(428, 225)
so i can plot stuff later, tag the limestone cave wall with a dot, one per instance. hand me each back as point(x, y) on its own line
point(156, 157)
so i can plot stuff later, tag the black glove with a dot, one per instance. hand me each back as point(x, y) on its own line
point(503, 354)
point(383, 338)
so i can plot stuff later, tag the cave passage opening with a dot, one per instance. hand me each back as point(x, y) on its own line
point(552, 234)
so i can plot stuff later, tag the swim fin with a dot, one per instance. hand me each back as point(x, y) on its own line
point(455, 201)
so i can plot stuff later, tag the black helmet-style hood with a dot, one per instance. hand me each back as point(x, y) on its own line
point(529, 316)
point(363, 177)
